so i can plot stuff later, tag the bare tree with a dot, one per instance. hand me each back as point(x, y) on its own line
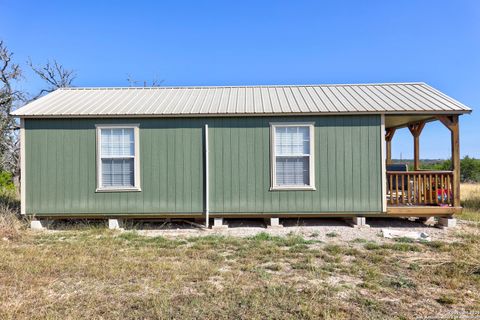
point(54, 74)
point(154, 83)
point(131, 82)
point(9, 97)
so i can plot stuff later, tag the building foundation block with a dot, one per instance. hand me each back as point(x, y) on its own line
point(39, 225)
point(218, 224)
point(358, 222)
point(115, 224)
point(446, 223)
point(273, 223)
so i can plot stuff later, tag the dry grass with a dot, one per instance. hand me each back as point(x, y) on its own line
point(470, 190)
point(94, 273)
point(11, 225)
point(470, 197)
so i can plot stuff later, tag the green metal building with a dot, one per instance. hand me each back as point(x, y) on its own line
point(265, 151)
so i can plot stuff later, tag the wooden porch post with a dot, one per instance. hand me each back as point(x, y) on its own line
point(388, 138)
point(416, 130)
point(451, 122)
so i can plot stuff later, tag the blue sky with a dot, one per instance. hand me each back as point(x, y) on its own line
point(262, 42)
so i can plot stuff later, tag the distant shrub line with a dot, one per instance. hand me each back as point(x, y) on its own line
point(469, 167)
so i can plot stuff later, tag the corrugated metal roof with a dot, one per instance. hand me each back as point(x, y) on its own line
point(246, 100)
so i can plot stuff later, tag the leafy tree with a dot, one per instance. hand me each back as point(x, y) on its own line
point(470, 169)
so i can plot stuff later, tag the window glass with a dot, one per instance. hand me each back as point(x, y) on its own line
point(117, 173)
point(118, 142)
point(292, 171)
point(292, 155)
point(117, 153)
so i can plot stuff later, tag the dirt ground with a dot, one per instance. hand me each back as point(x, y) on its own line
point(327, 230)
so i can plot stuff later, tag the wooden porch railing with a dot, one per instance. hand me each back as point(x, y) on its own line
point(420, 188)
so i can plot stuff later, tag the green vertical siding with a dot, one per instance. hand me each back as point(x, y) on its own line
point(61, 167)
point(347, 167)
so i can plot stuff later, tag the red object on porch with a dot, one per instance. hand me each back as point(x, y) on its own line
point(446, 194)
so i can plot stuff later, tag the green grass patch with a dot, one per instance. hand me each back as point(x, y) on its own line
point(470, 215)
point(372, 246)
point(288, 241)
point(398, 246)
point(333, 249)
point(359, 240)
point(472, 203)
point(136, 239)
point(400, 282)
point(404, 240)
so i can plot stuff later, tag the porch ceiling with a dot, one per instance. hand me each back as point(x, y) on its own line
point(398, 121)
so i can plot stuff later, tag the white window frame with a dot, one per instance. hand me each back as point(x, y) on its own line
point(136, 158)
point(273, 162)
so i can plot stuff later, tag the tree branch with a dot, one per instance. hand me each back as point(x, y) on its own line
point(54, 74)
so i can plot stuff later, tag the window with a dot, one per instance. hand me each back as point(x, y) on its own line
point(118, 158)
point(292, 156)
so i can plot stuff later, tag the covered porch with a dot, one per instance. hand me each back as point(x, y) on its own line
point(411, 191)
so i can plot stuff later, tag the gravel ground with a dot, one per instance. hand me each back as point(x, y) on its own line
point(328, 230)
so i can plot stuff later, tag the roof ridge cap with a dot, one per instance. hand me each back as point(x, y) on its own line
point(246, 86)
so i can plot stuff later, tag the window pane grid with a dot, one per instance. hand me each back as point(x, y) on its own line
point(292, 155)
point(117, 156)
point(117, 142)
point(293, 171)
point(117, 173)
point(292, 141)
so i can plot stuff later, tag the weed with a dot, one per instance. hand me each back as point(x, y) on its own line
point(400, 282)
point(367, 302)
point(273, 267)
point(414, 266)
point(445, 300)
point(298, 248)
point(351, 252)
point(11, 224)
point(263, 236)
point(359, 240)
point(289, 241)
point(262, 273)
point(400, 246)
point(303, 265)
point(333, 249)
point(437, 245)
point(404, 240)
point(372, 246)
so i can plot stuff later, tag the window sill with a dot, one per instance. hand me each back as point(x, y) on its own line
point(118, 189)
point(293, 188)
